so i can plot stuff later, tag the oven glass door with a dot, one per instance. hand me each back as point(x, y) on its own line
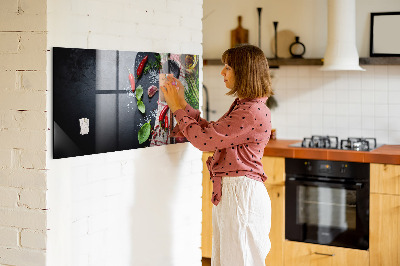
point(326, 213)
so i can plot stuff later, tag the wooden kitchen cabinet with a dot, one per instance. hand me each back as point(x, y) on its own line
point(206, 232)
point(277, 233)
point(384, 236)
point(385, 178)
point(274, 168)
point(305, 254)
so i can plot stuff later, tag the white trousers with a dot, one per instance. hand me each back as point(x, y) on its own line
point(241, 223)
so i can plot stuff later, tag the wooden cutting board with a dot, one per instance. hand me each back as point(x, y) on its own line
point(239, 35)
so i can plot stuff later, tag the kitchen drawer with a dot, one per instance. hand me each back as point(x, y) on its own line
point(305, 254)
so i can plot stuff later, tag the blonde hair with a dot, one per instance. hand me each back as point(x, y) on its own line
point(250, 66)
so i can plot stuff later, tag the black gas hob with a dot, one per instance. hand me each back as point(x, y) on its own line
point(332, 142)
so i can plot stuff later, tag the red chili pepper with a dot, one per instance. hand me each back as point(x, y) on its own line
point(166, 122)
point(163, 113)
point(132, 81)
point(141, 66)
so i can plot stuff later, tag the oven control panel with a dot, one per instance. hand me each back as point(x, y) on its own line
point(338, 169)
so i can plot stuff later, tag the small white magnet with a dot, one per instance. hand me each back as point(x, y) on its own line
point(84, 124)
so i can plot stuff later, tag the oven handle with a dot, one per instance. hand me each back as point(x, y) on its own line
point(357, 185)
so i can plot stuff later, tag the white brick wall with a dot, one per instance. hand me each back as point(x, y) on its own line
point(137, 207)
point(23, 132)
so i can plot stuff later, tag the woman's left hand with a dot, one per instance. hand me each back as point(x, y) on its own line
point(170, 90)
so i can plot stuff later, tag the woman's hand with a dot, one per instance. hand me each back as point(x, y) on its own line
point(174, 94)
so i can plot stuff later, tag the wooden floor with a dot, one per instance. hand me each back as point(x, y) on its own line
point(206, 261)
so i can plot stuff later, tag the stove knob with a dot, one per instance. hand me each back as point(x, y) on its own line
point(343, 168)
point(308, 166)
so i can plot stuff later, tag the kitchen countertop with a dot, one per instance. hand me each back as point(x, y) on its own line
point(389, 154)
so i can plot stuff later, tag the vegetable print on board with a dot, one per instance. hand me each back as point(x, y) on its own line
point(119, 93)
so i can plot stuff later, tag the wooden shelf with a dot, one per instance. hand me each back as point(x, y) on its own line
point(274, 63)
point(380, 61)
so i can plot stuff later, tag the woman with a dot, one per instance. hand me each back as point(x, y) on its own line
point(242, 208)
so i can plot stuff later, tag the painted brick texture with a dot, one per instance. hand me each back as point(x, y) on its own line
point(23, 218)
point(118, 208)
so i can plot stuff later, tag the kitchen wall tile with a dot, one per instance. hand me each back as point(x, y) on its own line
point(317, 108)
point(328, 74)
point(304, 131)
point(393, 71)
point(381, 97)
point(382, 136)
point(367, 110)
point(304, 72)
point(367, 133)
point(315, 72)
point(304, 108)
point(367, 123)
point(292, 83)
point(317, 131)
point(381, 110)
point(342, 80)
point(317, 95)
point(305, 95)
point(394, 83)
point(355, 132)
point(329, 93)
point(367, 96)
point(342, 109)
point(317, 121)
point(304, 82)
point(380, 84)
point(394, 123)
point(382, 123)
point(355, 96)
point(316, 82)
point(342, 96)
point(279, 72)
point(325, 97)
point(278, 83)
point(329, 109)
point(355, 122)
point(342, 122)
point(380, 71)
point(342, 133)
point(394, 110)
point(329, 122)
point(355, 109)
point(354, 80)
point(367, 81)
point(291, 71)
point(293, 120)
point(394, 97)
point(394, 137)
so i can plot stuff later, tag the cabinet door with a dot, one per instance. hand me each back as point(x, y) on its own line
point(277, 233)
point(274, 168)
point(385, 178)
point(384, 229)
point(304, 254)
point(206, 233)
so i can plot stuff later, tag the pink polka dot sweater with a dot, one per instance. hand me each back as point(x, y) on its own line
point(238, 139)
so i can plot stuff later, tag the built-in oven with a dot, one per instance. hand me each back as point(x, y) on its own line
point(327, 202)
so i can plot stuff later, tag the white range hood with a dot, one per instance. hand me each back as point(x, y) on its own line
point(341, 51)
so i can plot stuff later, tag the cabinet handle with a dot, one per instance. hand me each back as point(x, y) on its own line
point(325, 254)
